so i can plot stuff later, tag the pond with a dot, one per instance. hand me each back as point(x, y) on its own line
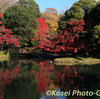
point(40, 79)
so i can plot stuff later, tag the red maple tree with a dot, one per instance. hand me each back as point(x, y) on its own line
point(43, 36)
point(67, 40)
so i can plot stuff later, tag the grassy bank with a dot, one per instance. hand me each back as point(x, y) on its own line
point(3, 56)
point(76, 60)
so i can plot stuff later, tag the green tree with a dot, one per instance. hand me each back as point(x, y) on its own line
point(93, 17)
point(94, 38)
point(31, 5)
point(76, 12)
point(92, 20)
point(22, 22)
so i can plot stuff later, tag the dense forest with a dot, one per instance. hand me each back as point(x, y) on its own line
point(77, 31)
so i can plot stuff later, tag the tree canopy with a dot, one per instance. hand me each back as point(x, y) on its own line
point(76, 12)
point(21, 21)
point(7, 39)
point(31, 5)
point(51, 17)
point(93, 17)
point(92, 20)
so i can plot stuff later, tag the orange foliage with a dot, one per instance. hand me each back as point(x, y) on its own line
point(51, 10)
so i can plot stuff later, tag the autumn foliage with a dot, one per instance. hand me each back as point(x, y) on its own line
point(43, 75)
point(67, 40)
point(6, 77)
point(6, 37)
point(67, 78)
point(43, 33)
point(51, 10)
point(51, 18)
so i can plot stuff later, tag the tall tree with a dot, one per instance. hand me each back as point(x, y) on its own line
point(21, 21)
point(93, 17)
point(31, 5)
point(7, 39)
point(76, 12)
point(67, 40)
point(51, 18)
point(43, 35)
point(92, 20)
point(95, 39)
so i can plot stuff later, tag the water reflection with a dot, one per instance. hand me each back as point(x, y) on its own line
point(31, 79)
point(53, 97)
point(6, 76)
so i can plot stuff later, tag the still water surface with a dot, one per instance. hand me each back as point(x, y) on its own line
point(34, 79)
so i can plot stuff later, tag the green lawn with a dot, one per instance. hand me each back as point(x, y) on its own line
point(76, 60)
point(3, 56)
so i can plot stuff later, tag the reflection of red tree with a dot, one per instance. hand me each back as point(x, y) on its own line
point(32, 72)
point(68, 78)
point(6, 77)
point(43, 75)
point(42, 81)
point(15, 72)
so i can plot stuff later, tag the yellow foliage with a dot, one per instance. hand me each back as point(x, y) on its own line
point(50, 16)
point(51, 20)
point(53, 25)
point(52, 86)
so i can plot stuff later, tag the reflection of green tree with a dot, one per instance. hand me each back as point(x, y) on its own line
point(25, 86)
point(21, 89)
point(86, 79)
point(92, 77)
point(25, 65)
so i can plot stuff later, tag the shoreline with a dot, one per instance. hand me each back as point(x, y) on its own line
point(75, 61)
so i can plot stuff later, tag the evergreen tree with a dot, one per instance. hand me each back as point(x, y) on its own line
point(21, 21)
point(76, 12)
point(31, 5)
